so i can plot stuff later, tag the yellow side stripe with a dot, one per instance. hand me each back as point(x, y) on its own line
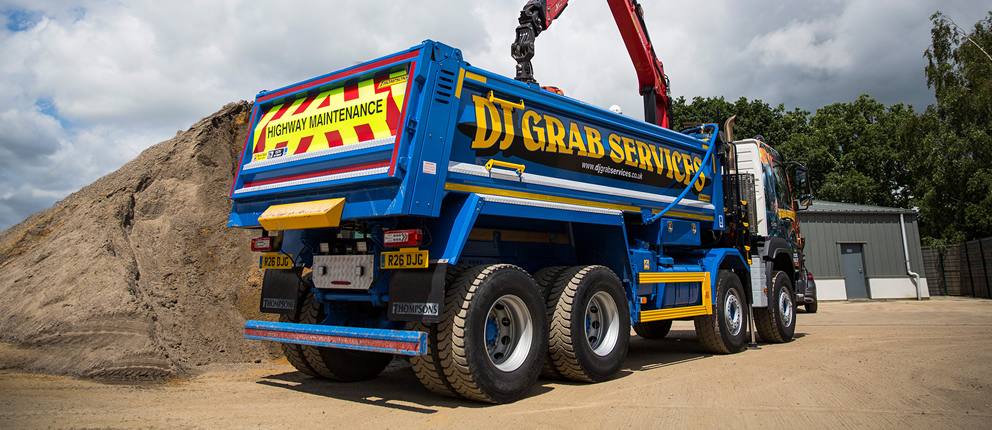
point(655, 277)
point(461, 79)
point(475, 77)
point(546, 198)
point(682, 312)
point(687, 215)
point(532, 196)
point(674, 313)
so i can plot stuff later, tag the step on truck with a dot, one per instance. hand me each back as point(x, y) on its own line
point(492, 231)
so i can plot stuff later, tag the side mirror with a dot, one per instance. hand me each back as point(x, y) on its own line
point(805, 193)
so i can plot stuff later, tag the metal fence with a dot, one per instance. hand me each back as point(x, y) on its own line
point(964, 269)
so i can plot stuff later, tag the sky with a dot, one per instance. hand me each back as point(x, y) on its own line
point(85, 86)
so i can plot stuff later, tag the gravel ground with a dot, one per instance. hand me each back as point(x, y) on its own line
point(877, 364)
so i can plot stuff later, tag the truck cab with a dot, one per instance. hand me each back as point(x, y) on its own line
point(780, 190)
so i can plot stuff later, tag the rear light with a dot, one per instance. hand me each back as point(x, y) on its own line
point(399, 238)
point(261, 244)
point(809, 276)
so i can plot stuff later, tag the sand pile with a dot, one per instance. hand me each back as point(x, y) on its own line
point(135, 275)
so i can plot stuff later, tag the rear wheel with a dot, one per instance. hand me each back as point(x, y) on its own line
point(492, 338)
point(590, 329)
point(427, 367)
point(294, 352)
point(653, 329)
point(328, 363)
point(339, 364)
point(777, 322)
point(546, 279)
point(723, 331)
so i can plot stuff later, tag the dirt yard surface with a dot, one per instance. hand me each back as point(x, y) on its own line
point(892, 364)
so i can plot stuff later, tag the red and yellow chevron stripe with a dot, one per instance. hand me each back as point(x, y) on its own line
point(342, 116)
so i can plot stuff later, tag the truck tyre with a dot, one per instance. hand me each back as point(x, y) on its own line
point(338, 364)
point(545, 279)
point(777, 322)
point(590, 329)
point(493, 335)
point(294, 352)
point(427, 367)
point(724, 331)
point(811, 306)
point(653, 329)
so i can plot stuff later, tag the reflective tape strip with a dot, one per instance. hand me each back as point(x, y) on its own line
point(336, 150)
point(548, 205)
point(354, 338)
point(534, 196)
point(396, 347)
point(530, 178)
point(326, 178)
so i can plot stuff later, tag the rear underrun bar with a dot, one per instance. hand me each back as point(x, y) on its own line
point(401, 342)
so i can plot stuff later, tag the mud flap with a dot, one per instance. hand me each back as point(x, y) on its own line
point(417, 295)
point(280, 291)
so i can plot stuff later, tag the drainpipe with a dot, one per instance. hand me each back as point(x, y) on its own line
point(905, 248)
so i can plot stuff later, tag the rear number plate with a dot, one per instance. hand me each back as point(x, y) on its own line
point(404, 259)
point(274, 260)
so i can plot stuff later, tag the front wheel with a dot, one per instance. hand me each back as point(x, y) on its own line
point(777, 322)
point(296, 353)
point(724, 331)
point(811, 306)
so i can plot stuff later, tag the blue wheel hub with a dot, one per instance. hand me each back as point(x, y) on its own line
point(492, 331)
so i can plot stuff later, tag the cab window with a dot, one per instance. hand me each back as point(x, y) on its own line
point(782, 187)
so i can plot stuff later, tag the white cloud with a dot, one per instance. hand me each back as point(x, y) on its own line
point(27, 136)
point(809, 45)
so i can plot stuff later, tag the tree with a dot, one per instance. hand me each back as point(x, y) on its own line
point(864, 152)
point(852, 150)
point(753, 117)
point(854, 154)
point(951, 140)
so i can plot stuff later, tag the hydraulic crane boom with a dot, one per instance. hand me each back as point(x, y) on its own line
point(537, 16)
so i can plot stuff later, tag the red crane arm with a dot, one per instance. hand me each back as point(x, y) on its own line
point(537, 16)
point(553, 9)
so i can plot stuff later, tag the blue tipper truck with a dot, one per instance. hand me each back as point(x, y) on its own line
point(493, 231)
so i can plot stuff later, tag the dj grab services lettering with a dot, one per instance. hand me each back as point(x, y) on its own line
point(503, 128)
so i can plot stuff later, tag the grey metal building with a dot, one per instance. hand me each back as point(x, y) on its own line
point(857, 251)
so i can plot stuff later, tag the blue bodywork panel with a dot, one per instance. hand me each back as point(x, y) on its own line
point(451, 120)
point(494, 170)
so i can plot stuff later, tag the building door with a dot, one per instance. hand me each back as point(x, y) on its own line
point(854, 270)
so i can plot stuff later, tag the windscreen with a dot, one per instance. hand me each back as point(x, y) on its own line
point(782, 187)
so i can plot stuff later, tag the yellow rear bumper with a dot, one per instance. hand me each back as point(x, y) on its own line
point(303, 215)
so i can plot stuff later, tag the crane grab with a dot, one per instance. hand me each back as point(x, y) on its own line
point(653, 85)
